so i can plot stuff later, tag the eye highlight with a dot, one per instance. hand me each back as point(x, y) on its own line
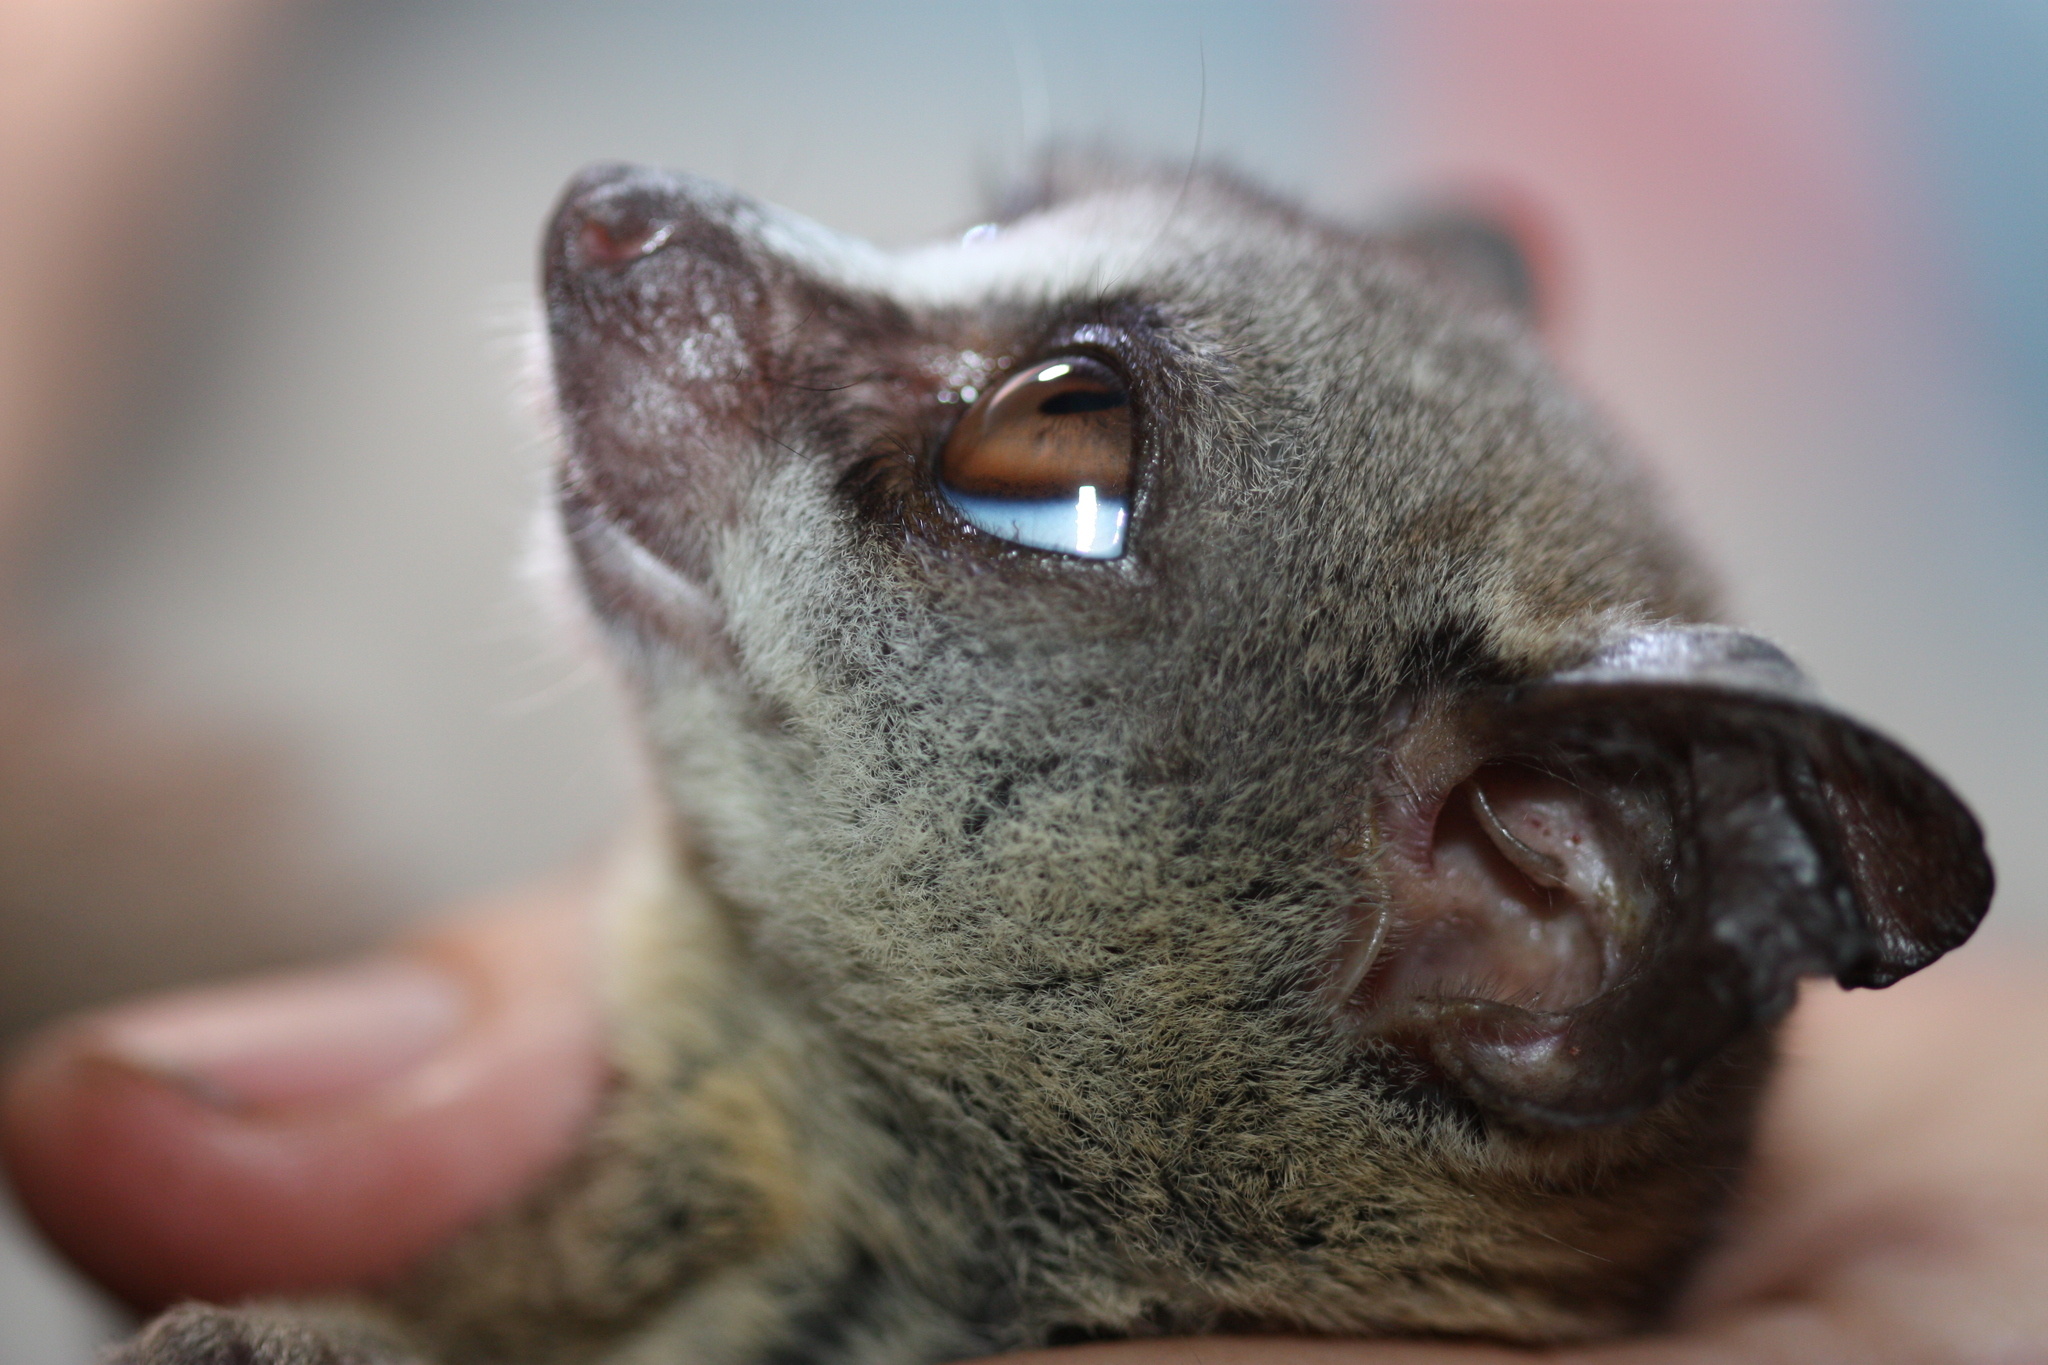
point(1045, 459)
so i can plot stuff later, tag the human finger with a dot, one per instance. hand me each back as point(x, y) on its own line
point(312, 1131)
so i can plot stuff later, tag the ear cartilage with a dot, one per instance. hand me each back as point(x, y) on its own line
point(1538, 866)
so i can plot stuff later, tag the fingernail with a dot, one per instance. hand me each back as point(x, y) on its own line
point(303, 1040)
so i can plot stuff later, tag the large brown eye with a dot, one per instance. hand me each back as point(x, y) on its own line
point(1045, 460)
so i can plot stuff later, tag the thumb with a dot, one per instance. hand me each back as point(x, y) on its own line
point(311, 1131)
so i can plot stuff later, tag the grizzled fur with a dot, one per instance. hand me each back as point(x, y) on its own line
point(984, 986)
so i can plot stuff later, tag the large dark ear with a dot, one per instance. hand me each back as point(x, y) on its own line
point(1601, 880)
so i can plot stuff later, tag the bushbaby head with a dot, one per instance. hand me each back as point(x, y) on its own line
point(1219, 737)
point(1220, 801)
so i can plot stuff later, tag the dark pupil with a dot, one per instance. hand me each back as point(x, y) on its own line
point(1081, 400)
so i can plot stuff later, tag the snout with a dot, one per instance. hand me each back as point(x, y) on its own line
point(658, 298)
point(676, 307)
point(654, 282)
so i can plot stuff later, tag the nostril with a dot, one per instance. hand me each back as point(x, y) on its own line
point(617, 234)
point(613, 215)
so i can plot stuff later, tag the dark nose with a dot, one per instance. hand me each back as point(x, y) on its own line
point(612, 215)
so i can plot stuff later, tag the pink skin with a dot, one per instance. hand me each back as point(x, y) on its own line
point(170, 1165)
point(1506, 887)
point(1899, 1212)
point(1508, 899)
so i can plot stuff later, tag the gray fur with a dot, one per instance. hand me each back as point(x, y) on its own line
point(974, 993)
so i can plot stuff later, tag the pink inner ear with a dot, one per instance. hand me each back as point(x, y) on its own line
point(1509, 899)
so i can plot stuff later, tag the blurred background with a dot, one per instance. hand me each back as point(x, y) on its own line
point(272, 683)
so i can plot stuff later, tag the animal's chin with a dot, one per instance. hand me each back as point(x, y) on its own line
point(632, 589)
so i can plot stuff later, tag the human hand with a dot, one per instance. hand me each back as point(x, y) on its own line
point(322, 1131)
point(315, 1130)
